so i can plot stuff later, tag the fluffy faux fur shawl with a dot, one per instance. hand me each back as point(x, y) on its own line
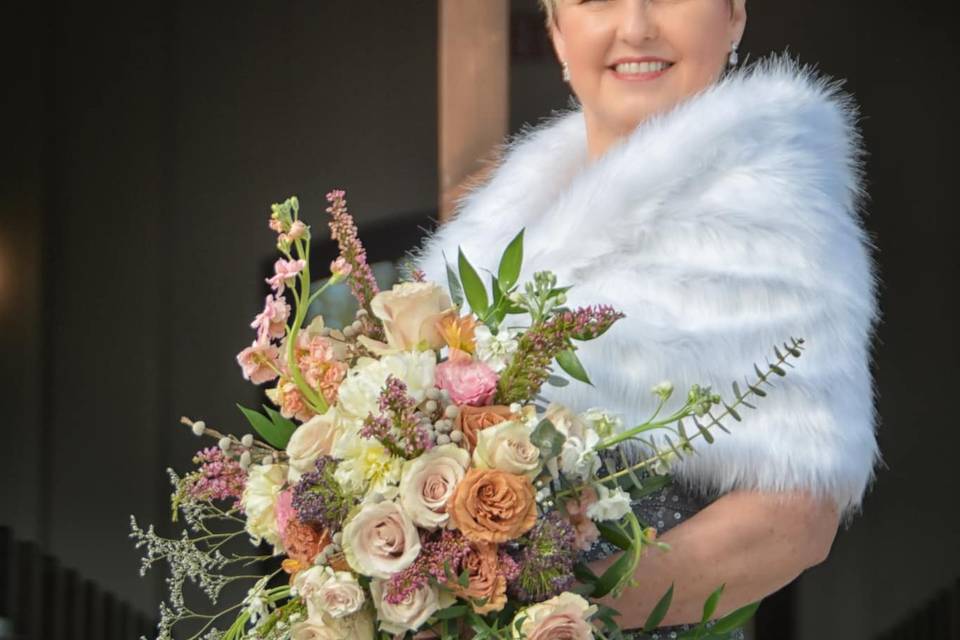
point(720, 228)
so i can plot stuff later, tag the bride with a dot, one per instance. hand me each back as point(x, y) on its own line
point(718, 208)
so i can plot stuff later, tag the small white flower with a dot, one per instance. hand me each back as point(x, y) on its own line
point(495, 350)
point(610, 504)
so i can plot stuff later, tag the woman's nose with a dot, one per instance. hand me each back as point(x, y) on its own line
point(636, 21)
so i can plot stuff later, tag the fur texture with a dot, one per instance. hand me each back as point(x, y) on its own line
point(720, 228)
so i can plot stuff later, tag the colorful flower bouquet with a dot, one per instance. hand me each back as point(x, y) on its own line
point(404, 478)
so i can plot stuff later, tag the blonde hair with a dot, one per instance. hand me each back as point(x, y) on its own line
point(549, 8)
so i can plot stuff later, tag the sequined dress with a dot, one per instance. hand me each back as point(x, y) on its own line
point(663, 509)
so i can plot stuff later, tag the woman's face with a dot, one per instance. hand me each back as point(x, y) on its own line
point(681, 46)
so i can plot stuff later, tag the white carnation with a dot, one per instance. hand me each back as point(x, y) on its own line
point(259, 501)
point(495, 350)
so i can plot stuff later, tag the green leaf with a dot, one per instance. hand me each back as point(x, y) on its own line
point(548, 439)
point(509, 269)
point(272, 434)
point(464, 579)
point(614, 535)
point(614, 574)
point(734, 620)
point(710, 606)
point(659, 612)
point(277, 418)
point(557, 381)
point(454, 611)
point(472, 285)
point(649, 486)
point(453, 283)
point(570, 363)
point(732, 412)
point(583, 573)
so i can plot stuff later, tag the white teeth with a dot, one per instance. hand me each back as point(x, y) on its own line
point(641, 67)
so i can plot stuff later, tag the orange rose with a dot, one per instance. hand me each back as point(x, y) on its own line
point(472, 420)
point(490, 505)
point(486, 580)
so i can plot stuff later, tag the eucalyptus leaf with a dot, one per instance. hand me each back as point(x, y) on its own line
point(509, 268)
point(557, 381)
point(473, 287)
point(548, 439)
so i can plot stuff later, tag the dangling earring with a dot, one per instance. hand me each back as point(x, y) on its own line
point(566, 72)
point(734, 58)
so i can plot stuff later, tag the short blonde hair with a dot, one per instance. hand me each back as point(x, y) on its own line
point(549, 8)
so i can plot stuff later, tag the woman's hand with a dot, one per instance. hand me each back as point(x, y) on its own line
point(753, 542)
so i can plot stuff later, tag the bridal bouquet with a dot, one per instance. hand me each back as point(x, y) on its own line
point(405, 476)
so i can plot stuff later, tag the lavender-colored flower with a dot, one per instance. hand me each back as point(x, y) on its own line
point(318, 498)
point(545, 562)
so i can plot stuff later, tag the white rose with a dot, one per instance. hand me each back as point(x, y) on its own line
point(610, 504)
point(334, 593)
point(429, 481)
point(410, 614)
point(259, 500)
point(506, 446)
point(380, 540)
point(312, 439)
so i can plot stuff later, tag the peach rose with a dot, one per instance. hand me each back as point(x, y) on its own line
point(410, 312)
point(429, 481)
point(472, 420)
point(312, 439)
point(490, 505)
point(486, 579)
point(564, 617)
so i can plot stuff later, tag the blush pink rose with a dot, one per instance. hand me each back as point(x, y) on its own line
point(468, 381)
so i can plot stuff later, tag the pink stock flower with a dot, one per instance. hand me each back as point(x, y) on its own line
point(318, 364)
point(297, 231)
point(340, 267)
point(272, 321)
point(259, 362)
point(285, 270)
point(291, 402)
point(276, 225)
point(585, 533)
point(467, 381)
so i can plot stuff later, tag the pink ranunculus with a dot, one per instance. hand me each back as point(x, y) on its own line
point(467, 381)
point(259, 362)
point(272, 321)
point(285, 270)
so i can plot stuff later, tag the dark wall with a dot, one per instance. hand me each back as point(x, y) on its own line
point(144, 143)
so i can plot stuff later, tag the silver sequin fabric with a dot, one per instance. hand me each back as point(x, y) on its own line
point(663, 509)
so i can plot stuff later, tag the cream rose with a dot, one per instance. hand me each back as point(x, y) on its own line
point(410, 312)
point(357, 626)
point(428, 482)
point(380, 540)
point(564, 617)
point(312, 439)
point(259, 501)
point(506, 446)
point(410, 614)
point(333, 593)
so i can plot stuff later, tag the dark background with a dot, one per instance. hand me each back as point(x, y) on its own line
point(143, 143)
